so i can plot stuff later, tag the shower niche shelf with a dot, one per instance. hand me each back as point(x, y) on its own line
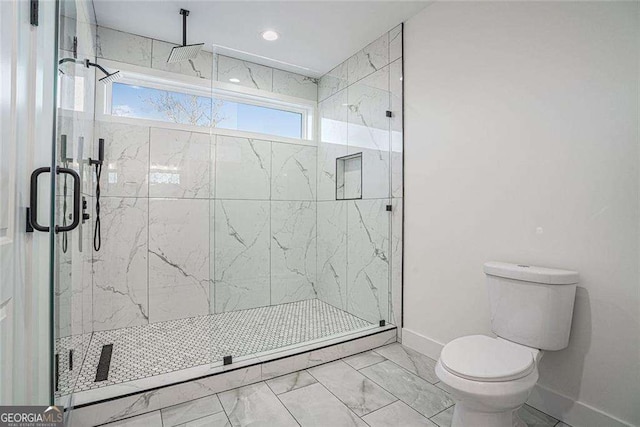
point(349, 177)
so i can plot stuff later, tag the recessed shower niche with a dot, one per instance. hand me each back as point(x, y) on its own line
point(349, 177)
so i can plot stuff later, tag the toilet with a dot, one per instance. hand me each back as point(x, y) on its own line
point(491, 378)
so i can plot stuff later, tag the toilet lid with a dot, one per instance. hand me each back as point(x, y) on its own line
point(482, 358)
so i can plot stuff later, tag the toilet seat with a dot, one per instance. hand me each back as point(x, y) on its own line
point(482, 358)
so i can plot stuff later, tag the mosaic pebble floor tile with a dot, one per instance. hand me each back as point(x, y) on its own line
point(159, 348)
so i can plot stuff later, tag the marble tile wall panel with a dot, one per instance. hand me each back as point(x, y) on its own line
point(395, 298)
point(126, 166)
point(180, 163)
point(368, 259)
point(297, 85)
point(120, 296)
point(332, 144)
point(200, 67)
point(243, 168)
point(123, 47)
point(332, 253)
point(333, 82)
point(395, 90)
point(179, 279)
point(293, 169)
point(241, 254)
point(293, 251)
point(368, 131)
point(369, 60)
point(249, 74)
point(395, 43)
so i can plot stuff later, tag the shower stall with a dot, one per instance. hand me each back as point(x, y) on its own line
point(244, 215)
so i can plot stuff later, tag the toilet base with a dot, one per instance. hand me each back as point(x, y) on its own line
point(465, 417)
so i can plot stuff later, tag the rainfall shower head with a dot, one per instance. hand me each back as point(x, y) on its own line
point(109, 77)
point(186, 51)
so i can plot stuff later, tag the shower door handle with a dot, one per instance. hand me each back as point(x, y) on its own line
point(33, 200)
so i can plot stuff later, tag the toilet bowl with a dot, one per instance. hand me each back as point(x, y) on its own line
point(488, 378)
point(491, 378)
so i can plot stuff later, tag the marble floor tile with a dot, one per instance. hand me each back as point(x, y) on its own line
point(561, 424)
point(410, 360)
point(255, 405)
point(443, 419)
point(151, 419)
point(291, 382)
point(532, 417)
point(396, 414)
point(355, 390)
point(315, 406)
point(411, 389)
point(192, 410)
point(216, 420)
point(362, 360)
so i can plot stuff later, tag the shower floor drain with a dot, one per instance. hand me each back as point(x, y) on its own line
point(159, 348)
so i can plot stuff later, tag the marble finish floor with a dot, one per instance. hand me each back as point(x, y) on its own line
point(163, 347)
point(389, 386)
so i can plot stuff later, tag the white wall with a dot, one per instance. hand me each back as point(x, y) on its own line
point(522, 146)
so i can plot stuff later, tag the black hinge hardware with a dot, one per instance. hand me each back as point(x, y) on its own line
point(389, 113)
point(227, 360)
point(389, 208)
point(34, 13)
point(75, 47)
point(383, 323)
point(71, 360)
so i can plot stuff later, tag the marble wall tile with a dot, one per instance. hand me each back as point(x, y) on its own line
point(293, 251)
point(368, 259)
point(255, 405)
point(297, 85)
point(243, 168)
point(120, 267)
point(368, 131)
point(179, 164)
point(395, 299)
point(359, 393)
point(395, 43)
point(332, 253)
point(293, 169)
point(369, 60)
point(241, 254)
point(333, 125)
point(200, 67)
point(250, 75)
point(123, 47)
point(178, 258)
point(126, 163)
point(333, 82)
point(395, 89)
point(315, 406)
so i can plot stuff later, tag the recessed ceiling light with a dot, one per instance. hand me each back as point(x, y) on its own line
point(234, 80)
point(270, 35)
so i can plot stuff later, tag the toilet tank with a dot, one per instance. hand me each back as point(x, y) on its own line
point(532, 306)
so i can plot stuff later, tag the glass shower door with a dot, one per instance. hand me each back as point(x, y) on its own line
point(74, 196)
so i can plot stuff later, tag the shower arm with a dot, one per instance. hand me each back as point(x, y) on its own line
point(184, 14)
point(88, 64)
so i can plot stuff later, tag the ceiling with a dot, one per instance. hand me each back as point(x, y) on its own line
point(315, 36)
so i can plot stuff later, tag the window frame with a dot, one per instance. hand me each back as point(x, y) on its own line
point(164, 80)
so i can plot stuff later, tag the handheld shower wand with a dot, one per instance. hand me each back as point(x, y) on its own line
point(97, 237)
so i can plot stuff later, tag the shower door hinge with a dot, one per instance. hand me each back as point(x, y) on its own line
point(383, 323)
point(389, 113)
point(227, 360)
point(389, 208)
point(34, 13)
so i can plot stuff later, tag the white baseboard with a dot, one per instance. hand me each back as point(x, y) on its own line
point(427, 346)
point(567, 410)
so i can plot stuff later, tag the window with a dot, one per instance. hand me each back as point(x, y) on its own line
point(148, 97)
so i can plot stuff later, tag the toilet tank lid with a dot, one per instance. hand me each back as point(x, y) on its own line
point(530, 273)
